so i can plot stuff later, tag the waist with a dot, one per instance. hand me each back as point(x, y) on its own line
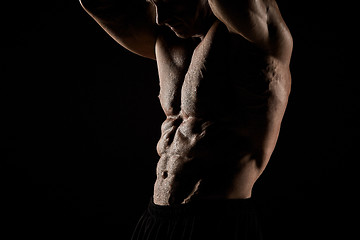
point(179, 181)
point(204, 207)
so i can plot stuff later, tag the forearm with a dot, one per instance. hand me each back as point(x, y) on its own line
point(115, 14)
point(111, 8)
point(117, 17)
point(130, 23)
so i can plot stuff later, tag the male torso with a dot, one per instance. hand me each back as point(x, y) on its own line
point(224, 98)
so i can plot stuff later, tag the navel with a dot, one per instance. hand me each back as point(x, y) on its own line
point(164, 174)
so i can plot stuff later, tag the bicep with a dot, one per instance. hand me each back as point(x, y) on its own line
point(134, 30)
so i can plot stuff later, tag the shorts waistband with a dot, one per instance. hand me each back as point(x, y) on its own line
point(208, 206)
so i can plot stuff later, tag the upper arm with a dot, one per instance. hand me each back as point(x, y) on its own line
point(132, 27)
point(259, 21)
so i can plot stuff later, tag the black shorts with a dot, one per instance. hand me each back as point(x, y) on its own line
point(228, 219)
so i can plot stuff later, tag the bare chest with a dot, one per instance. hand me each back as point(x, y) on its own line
point(207, 78)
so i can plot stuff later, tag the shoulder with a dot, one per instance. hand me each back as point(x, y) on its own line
point(258, 21)
point(278, 39)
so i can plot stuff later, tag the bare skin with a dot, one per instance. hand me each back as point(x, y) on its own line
point(224, 85)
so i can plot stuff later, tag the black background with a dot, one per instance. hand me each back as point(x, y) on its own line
point(81, 118)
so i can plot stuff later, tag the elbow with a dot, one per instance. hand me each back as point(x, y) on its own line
point(104, 9)
point(91, 5)
point(86, 4)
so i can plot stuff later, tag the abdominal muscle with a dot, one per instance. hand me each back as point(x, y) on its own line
point(196, 161)
point(221, 124)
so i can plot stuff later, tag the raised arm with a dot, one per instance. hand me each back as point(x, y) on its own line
point(259, 21)
point(131, 23)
